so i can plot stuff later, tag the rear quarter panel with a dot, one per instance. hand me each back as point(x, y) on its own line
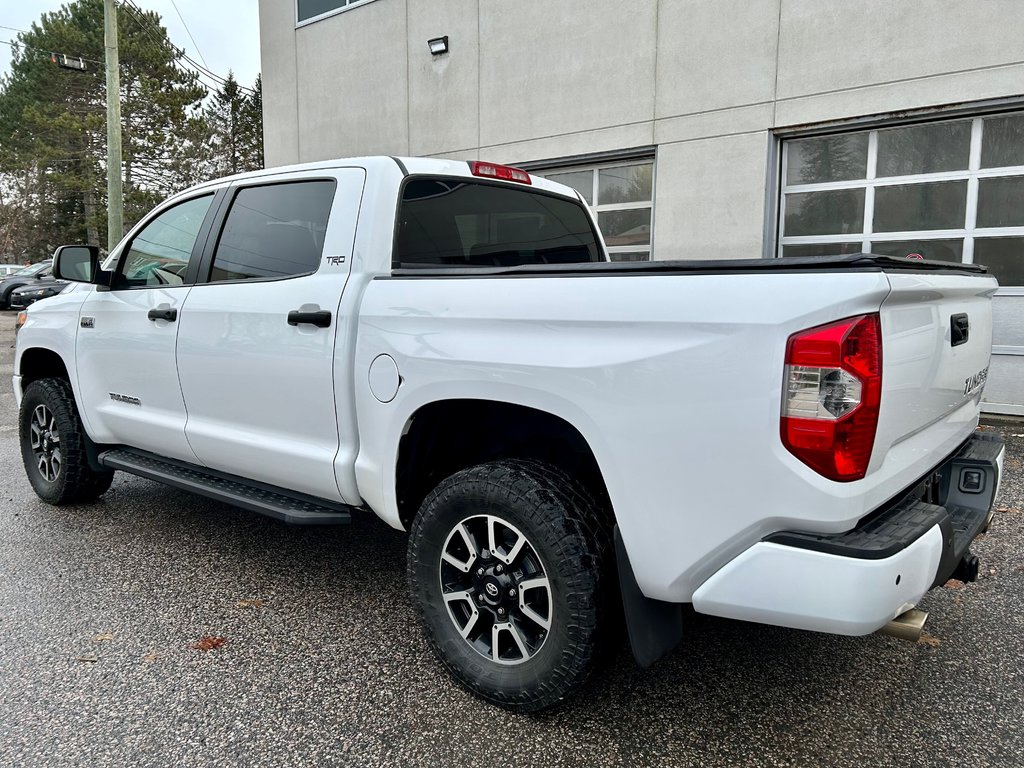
point(674, 380)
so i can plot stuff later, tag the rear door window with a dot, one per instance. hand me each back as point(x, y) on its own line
point(453, 223)
point(274, 231)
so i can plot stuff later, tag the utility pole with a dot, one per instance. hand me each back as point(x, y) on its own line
point(115, 200)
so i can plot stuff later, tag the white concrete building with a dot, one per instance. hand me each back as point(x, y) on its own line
point(696, 128)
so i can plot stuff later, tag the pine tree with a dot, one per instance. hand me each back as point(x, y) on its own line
point(53, 127)
point(252, 125)
point(235, 121)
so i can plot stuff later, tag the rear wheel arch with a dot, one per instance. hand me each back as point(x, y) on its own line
point(446, 436)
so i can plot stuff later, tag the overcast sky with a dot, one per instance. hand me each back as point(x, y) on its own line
point(226, 31)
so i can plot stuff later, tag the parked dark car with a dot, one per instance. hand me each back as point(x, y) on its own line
point(36, 274)
point(33, 292)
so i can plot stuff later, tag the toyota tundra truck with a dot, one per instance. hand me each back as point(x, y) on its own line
point(578, 448)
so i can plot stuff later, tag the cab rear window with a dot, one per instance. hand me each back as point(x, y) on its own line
point(450, 223)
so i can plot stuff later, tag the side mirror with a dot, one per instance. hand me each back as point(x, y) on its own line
point(78, 263)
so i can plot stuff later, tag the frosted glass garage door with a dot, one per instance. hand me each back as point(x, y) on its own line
point(950, 190)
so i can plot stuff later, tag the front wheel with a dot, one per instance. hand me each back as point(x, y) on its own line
point(508, 570)
point(53, 445)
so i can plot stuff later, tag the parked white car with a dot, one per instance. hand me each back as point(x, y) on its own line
point(444, 344)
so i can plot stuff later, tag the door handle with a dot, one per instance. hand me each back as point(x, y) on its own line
point(960, 329)
point(321, 318)
point(170, 315)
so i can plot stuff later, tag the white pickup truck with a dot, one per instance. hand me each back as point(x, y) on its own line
point(572, 444)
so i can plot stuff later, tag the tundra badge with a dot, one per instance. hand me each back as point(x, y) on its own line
point(977, 381)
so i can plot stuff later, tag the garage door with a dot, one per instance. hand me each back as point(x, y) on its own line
point(951, 190)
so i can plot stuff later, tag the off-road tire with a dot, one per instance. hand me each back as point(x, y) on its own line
point(569, 532)
point(75, 480)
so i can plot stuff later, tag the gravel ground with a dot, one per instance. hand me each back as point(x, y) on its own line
point(100, 606)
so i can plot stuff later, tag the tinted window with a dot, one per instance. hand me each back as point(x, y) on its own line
point(274, 231)
point(159, 254)
point(448, 223)
point(310, 8)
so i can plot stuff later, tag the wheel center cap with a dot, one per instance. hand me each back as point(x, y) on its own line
point(492, 590)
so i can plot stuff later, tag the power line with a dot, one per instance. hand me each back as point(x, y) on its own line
point(143, 22)
point(14, 29)
point(189, 31)
point(134, 12)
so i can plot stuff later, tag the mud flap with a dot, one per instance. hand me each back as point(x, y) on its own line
point(655, 627)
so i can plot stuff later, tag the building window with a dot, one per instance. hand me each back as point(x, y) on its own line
point(621, 196)
point(950, 191)
point(310, 10)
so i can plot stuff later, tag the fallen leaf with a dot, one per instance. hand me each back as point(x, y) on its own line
point(151, 656)
point(954, 584)
point(102, 636)
point(927, 639)
point(250, 603)
point(210, 643)
point(87, 658)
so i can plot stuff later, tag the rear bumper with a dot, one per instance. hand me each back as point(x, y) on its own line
point(855, 582)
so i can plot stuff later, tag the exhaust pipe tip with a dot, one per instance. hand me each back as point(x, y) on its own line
point(909, 625)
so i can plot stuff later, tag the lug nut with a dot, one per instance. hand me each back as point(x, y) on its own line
point(501, 611)
point(479, 571)
point(499, 568)
point(512, 592)
point(479, 598)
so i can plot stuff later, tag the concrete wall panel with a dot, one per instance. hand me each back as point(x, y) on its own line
point(722, 122)
point(711, 198)
point(353, 84)
point(602, 140)
point(277, 59)
point(714, 55)
point(951, 89)
point(555, 68)
point(828, 46)
point(443, 90)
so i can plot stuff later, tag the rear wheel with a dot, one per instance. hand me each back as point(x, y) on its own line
point(508, 572)
point(53, 445)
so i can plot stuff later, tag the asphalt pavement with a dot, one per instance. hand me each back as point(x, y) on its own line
point(322, 662)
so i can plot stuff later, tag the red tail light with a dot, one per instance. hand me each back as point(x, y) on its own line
point(503, 172)
point(832, 391)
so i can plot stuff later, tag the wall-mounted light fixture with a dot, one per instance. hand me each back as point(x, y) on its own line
point(438, 45)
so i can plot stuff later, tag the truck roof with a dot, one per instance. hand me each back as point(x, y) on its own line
point(407, 166)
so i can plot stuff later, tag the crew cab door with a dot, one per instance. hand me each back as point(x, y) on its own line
point(126, 368)
point(256, 336)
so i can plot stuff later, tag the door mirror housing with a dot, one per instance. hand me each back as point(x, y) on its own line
point(77, 263)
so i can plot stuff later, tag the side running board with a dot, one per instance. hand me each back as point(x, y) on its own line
point(289, 506)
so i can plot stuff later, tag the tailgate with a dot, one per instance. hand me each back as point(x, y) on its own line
point(936, 344)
